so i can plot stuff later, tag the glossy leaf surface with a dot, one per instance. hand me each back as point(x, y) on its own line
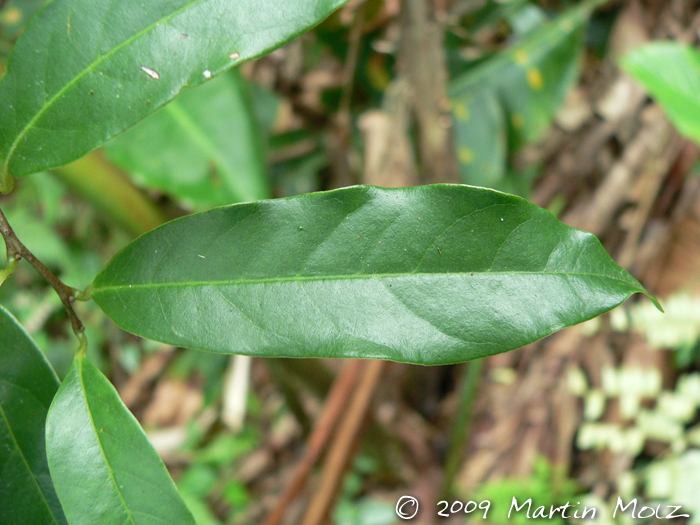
point(432, 274)
point(104, 468)
point(83, 72)
point(27, 386)
point(671, 73)
point(511, 98)
point(204, 147)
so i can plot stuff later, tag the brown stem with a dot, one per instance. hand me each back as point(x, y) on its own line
point(423, 61)
point(16, 250)
point(331, 413)
point(344, 445)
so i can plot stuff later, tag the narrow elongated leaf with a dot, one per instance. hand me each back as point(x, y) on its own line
point(83, 72)
point(671, 73)
point(27, 386)
point(203, 147)
point(511, 98)
point(104, 468)
point(433, 274)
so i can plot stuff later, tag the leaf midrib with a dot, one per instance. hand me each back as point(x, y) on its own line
point(101, 446)
point(87, 70)
point(316, 278)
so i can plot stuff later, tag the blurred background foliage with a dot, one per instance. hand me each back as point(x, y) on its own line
point(522, 96)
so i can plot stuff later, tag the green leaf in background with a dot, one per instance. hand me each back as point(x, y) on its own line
point(194, 486)
point(493, 12)
point(97, 68)
point(530, 17)
point(103, 466)
point(365, 512)
point(15, 14)
point(671, 73)
point(27, 386)
point(430, 275)
point(511, 98)
point(482, 138)
point(203, 148)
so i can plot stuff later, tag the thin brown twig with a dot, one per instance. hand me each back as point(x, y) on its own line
point(16, 251)
point(332, 410)
point(345, 444)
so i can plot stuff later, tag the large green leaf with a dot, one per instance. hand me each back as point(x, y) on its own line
point(104, 468)
point(671, 73)
point(27, 386)
point(83, 72)
point(511, 98)
point(432, 274)
point(204, 147)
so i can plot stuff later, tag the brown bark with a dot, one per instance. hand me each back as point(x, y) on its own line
point(423, 63)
